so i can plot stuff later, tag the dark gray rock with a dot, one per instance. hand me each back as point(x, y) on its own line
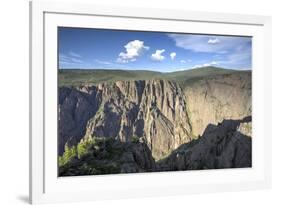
point(75, 108)
point(221, 146)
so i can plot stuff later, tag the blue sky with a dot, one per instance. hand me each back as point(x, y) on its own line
point(157, 51)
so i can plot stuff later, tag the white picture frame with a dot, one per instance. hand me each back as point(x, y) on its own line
point(46, 187)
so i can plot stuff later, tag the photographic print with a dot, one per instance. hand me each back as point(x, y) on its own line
point(145, 101)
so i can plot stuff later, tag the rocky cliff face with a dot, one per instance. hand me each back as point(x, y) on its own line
point(159, 113)
point(221, 97)
point(76, 107)
point(153, 110)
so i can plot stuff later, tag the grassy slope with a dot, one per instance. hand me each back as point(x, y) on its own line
point(76, 77)
point(188, 77)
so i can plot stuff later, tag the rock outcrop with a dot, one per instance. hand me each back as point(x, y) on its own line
point(154, 110)
point(221, 146)
point(110, 156)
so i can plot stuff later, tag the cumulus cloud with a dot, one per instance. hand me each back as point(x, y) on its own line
point(183, 61)
point(120, 60)
point(133, 50)
point(213, 41)
point(157, 56)
point(173, 55)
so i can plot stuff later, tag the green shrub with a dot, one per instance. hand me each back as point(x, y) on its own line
point(81, 149)
point(68, 155)
point(135, 139)
point(93, 155)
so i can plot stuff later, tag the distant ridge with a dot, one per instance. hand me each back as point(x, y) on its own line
point(77, 77)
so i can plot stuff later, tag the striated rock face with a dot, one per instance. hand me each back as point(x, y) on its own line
point(75, 107)
point(160, 113)
point(221, 146)
point(154, 110)
point(187, 121)
point(221, 97)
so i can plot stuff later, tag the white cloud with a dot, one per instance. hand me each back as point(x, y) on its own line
point(173, 55)
point(75, 60)
point(238, 60)
point(103, 62)
point(120, 60)
point(157, 56)
point(73, 54)
point(183, 61)
point(213, 41)
point(213, 63)
point(133, 50)
point(207, 43)
point(70, 60)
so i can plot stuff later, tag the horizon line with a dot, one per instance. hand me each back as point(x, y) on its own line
point(180, 70)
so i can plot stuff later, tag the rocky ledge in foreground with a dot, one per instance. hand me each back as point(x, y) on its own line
point(225, 145)
point(221, 146)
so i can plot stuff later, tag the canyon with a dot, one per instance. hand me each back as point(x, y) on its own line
point(159, 122)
